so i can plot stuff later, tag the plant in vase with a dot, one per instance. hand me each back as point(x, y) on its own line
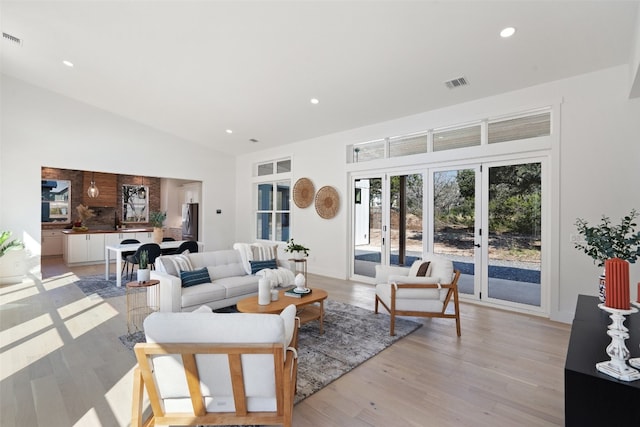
point(605, 241)
point(156, 219)
point(143, 267)
point(13, 259)
point(84, 213)
point(296, 249)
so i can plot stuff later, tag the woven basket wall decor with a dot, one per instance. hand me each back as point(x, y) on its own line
point(327, 202)
point(303, 192)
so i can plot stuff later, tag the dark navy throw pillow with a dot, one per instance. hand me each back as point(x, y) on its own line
point(195, 277)
point(261, 265)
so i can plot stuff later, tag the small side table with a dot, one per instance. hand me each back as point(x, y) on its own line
point(143, 298)
point(303, 267)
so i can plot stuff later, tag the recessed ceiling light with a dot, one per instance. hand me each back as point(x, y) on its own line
point(229, 131)
point(507, 32)
point(68, 63)
point(314, 101)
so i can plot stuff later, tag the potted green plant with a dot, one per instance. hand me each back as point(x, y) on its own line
point(13, 259)
point(156, 219)
point(605, 241)
point(296, 249)
point(143, 273)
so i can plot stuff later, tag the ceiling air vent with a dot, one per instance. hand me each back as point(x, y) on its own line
point(460, 81)
point(12, 39)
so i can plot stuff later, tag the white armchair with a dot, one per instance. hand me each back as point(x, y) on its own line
point(217, 369)
point(402, 293)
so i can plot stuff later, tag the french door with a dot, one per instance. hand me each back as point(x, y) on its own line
point(487, 218)
point(387, 221)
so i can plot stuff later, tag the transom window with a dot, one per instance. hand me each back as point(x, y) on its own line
point(513, 128)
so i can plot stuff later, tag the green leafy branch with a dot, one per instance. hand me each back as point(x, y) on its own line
point(605, 241)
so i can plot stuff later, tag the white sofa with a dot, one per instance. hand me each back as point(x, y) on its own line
point(230, 280)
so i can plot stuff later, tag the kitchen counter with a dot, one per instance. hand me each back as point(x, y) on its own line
point(89, 247)
point(121, 230)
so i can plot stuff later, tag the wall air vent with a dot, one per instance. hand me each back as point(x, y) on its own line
point(253, 140)
point(460, 81)
point(12, 39)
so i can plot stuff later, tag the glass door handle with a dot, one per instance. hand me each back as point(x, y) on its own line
point(477, 245)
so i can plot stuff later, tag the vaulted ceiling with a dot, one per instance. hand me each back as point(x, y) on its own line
point(196, 69)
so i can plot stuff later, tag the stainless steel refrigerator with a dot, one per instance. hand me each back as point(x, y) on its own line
point(190, 221)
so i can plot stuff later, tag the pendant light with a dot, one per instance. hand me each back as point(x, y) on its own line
point(93, 191)
point(142, 193)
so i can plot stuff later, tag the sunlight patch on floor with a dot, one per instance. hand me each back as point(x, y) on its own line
point(87, 320)
point(14, 360)
point(78, 306)
point(24, 329)
point(91, 418)
point(13, 293)
point(121, 395)
point(59, 281)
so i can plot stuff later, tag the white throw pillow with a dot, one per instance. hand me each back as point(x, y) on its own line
point(182, 263)
point(264, 252)
point(413, 271)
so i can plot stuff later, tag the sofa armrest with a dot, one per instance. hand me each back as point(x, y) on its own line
point(170, 291)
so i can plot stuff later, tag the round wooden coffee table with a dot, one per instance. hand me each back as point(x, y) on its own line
point(310, 307)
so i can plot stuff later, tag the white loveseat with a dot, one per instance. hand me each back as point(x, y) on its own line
point(229, 273)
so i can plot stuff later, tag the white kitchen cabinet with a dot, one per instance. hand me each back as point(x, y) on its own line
point(111, 239)
point(144, 237)
point(51, 242)
point(84, 248)
point(190, 193)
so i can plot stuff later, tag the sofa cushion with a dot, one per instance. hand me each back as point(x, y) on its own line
point(223, 263)
point(202, 294)
point(238, 285)
point(195, 277)
point(261, 265)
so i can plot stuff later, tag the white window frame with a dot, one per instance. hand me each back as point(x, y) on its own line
point(274, 180)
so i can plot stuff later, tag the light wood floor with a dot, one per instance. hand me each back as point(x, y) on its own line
point(61, 364)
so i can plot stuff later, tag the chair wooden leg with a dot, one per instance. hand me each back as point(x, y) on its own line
point(392, 331)
point(456, 306)
point(138, 397)
point(375, 309)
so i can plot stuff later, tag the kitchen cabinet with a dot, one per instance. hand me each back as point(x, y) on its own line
point(190, 193)
point(84, 248)
point(144, 237)
point(51, 242)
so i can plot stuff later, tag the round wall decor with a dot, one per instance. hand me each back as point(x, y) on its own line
point(327, 202)
point(303, 192)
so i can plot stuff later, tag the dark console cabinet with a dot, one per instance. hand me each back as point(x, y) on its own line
point(592, 398)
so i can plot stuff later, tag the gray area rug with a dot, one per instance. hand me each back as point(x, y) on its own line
point(91, 285)
point(351, 336)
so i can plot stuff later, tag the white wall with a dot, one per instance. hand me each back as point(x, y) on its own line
point(41, 128)
point(599, 172)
